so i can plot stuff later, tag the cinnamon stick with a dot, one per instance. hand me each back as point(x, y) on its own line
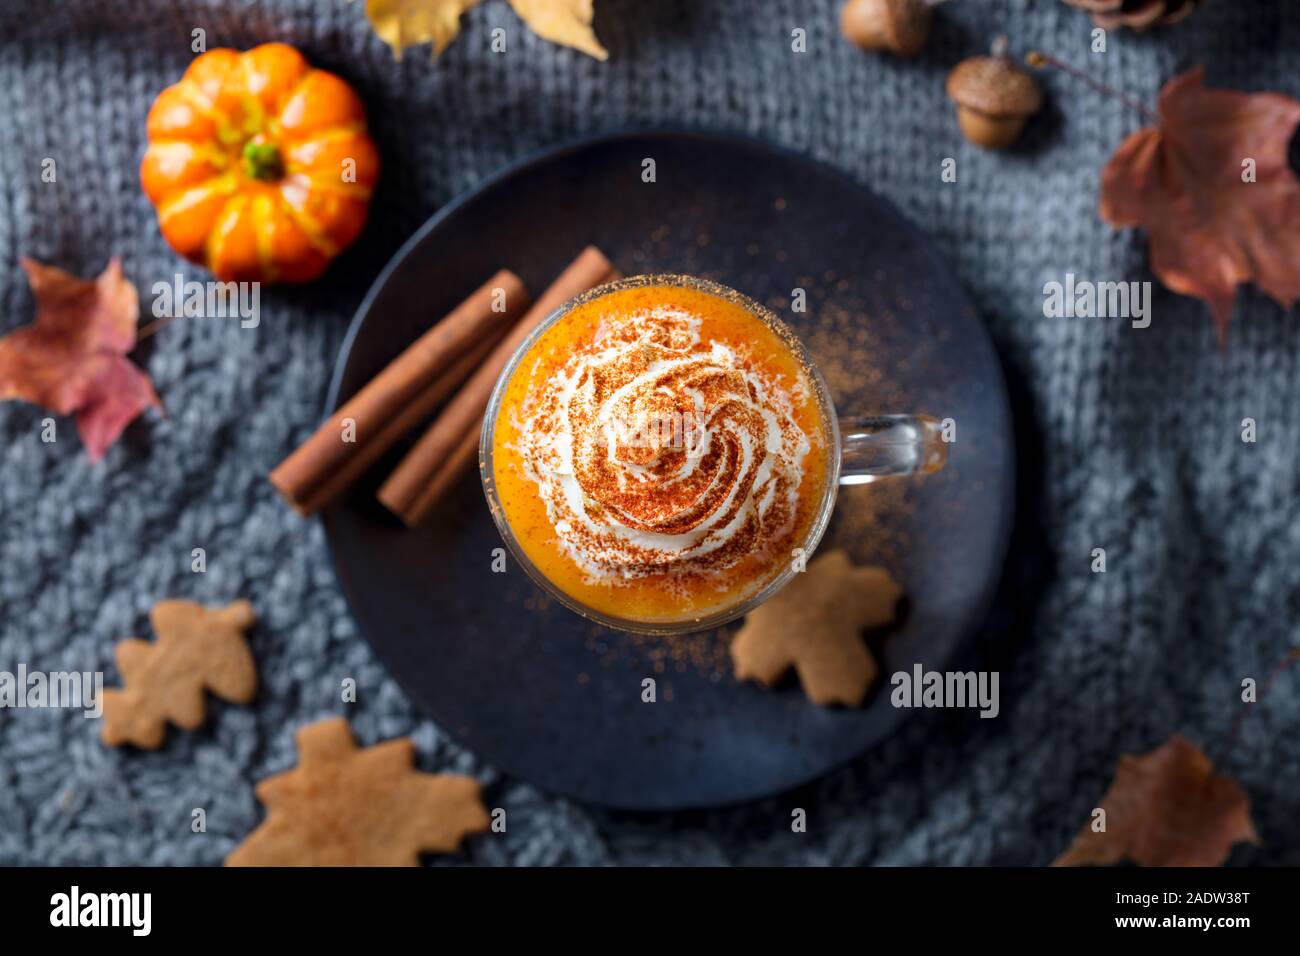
point(416, 485)
point(309, 477)
point(434, 394)
point(451, 468)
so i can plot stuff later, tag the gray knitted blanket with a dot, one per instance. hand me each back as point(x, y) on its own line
point(1130, 439)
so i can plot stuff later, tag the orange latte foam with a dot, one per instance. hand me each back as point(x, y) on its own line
point(659, 452)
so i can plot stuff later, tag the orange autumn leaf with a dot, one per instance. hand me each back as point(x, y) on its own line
point(72, 359)
point(1166, 808)
point(1187, 183)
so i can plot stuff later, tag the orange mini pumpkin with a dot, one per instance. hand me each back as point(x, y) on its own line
point(259, 165)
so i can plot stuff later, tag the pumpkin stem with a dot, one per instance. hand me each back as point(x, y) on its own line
point(263, 161)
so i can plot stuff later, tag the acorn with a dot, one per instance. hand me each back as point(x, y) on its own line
point(994, 98)
point(900, 26)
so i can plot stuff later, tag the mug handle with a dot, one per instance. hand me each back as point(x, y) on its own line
point(887, 446)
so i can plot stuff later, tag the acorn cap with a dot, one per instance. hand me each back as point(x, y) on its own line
point(995, 86)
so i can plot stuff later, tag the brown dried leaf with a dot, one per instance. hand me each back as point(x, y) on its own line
point(1182, 182)
point(1166, 808)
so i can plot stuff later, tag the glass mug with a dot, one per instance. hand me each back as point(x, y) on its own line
point(859, 449)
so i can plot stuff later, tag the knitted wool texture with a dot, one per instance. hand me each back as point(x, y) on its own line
point(1130, 440)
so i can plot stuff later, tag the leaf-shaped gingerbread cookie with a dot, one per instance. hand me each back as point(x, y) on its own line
point(815, 625)
point(347, 806)
point(198, 649)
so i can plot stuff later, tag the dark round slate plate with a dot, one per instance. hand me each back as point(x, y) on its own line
point(549, 697)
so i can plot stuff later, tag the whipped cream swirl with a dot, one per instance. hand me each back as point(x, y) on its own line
point(654, 451)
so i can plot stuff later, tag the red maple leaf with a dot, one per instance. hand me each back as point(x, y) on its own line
point(73, 357)
point(1186, 183)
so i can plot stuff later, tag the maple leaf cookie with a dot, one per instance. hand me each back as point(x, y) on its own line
point(349, 806)
point(815, 625)
point(199, 649)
